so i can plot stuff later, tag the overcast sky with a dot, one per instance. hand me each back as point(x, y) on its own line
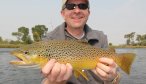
point(114, 17)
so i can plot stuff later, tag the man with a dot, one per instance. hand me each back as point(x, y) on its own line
point(75, 14)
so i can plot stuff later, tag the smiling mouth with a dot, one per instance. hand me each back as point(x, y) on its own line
point(77, 17)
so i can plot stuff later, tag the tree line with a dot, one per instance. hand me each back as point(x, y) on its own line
point(135, 39)
point(23, 35)
point(39, 31)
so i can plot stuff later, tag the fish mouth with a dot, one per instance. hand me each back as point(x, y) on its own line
point(22, 60)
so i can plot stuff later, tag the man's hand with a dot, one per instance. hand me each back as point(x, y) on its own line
point(56, 73)
point(106, 69)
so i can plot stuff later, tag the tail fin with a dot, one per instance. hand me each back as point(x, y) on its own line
point(125, 61)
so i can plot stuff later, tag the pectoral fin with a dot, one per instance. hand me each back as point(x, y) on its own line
point(77, 73)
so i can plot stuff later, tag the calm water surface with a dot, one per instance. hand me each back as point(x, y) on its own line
point(12, 75)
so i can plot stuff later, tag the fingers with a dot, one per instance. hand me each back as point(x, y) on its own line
point(109, 65)
point(102, 74)
point(48, 67)
point(107, 61)
point(62, 72)
point(56, 72)
point(68, 71)
point(65, 73)
point(106, 69)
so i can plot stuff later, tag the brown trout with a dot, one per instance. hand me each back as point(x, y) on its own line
point(79, 54)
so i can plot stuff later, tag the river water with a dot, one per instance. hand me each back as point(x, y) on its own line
point(12, 75)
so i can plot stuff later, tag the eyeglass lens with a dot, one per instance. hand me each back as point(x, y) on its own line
point(71, 6)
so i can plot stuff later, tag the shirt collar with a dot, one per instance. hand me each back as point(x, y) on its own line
point(89, 33)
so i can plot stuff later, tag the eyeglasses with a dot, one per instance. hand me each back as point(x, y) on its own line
point(71, 6)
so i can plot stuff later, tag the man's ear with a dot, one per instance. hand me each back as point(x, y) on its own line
point(62, 13)
point(89, 12)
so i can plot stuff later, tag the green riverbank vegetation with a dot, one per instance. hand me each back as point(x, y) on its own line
point(23, 37)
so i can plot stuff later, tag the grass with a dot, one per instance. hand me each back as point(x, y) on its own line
point(128, 46)
point(18, 45)
point(10, 45)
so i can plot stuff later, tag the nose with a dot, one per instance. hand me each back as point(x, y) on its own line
point(77, 10)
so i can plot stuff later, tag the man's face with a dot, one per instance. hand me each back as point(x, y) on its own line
point(77, 17)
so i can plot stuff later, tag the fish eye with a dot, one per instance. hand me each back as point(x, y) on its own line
point(26, 52)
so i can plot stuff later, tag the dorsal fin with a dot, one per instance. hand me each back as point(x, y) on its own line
point(83, 41)
point(111, 49)
point(80, 41)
